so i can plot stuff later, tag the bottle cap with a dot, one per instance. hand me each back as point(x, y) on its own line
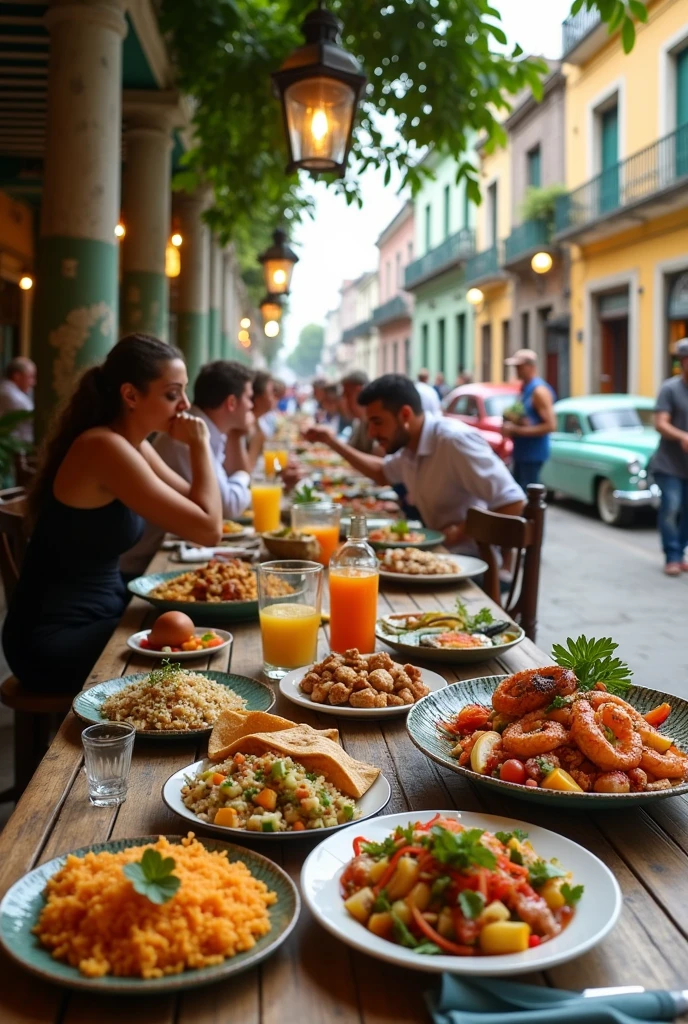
point(358, 529)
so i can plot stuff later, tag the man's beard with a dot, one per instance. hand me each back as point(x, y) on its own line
point(397, 441)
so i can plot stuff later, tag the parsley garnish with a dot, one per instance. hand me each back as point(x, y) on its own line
point(518, 833)
point(384, 849)
point(166, 673)
point(467, 622)
point(516, 857)
point(544, 765)
point(558, 702)
point(592, 662)
point(382, 902)
point(571, 893)
point(472, 903)
point(152, 876)
point(324, 798)
point(462, 849)
point(400, 528)
point(438, 887)
point(542, 870)
point(402, 934)
point(305, 494)
point(404, 833)
point(311, 776)
point(429, 948)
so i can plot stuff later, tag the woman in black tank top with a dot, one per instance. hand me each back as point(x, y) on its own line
point(99, 479)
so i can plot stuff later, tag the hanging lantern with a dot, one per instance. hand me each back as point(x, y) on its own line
point(541, 262)
point(271, 308)
point(319, 86)
point(271, 329)
point(173, 263)
point(278, 263)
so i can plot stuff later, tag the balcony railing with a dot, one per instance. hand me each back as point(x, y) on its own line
point(395, 309)
point(639, 177)
point(485, 264)
point(524, 238)
point(452, 250)
point(576, 28)
point(357, 331)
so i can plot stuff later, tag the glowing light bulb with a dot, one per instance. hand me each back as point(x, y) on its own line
point(319, 125)
point(474, 296)
point(541, 262)
point(271, 329)
point(244, 336)
point(120, 230)
point(245, 322)
point(279, 277)
point(176, 239)
point(26, 282)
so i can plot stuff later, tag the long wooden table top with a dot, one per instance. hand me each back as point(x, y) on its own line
point(313, 978)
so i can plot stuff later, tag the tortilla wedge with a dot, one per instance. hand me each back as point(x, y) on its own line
point(233, 725)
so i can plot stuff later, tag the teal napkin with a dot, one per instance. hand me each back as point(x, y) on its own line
point(491, 1001)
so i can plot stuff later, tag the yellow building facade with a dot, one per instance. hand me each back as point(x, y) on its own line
point(484, 271)
point(625, 217)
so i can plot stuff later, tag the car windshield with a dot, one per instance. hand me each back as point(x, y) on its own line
point(496, 404)
point(619, 419)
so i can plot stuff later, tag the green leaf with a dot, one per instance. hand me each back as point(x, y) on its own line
point(592, 662)
point(428, 948)
point(152, 876)
point(384, 849)
point(517, 833)
point(462, 849)
point(557, 703)
point(627, 35)
point(542, 870)
point(576, 6)
point(638, 10)
point(439, 886)
point(402, 933)
point(382, 902)
point(617, 17)
point(472, 903)
point(571, 893)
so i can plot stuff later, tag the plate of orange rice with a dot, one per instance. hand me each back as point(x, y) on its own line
point(80, 921)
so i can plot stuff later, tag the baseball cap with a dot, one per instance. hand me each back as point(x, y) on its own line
point(527, 355)
point(681, 349)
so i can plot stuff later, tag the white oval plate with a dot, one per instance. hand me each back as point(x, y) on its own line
point(372, 802)
point(466, 566)
point(135, 639)
point(596, 915)
point(289, 688)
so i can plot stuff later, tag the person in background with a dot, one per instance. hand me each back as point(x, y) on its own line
point(319, 386)
point(669, 464)
point(531, 429)
point(98, 480)
point(285, 400)
point(441, 386)
point(428, 395)
point(331, 406)
point(446, 466)
point(464, 377)
point(16, 394)
point(223, 401)
point(264, 412)
point(352, 385)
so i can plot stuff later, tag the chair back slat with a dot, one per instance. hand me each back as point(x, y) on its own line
point(522, 534)
point(12, 543)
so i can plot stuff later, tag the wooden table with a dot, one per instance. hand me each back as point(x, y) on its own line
point(313, 978)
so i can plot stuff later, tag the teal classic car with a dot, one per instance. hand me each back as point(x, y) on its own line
point(600, 454)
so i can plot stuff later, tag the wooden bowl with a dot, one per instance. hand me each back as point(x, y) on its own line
point(305, 547)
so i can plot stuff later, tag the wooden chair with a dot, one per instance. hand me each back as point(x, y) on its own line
point(24, 468)
point(522, 534)
point(34, 713)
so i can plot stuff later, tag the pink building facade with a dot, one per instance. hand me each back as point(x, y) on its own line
point(393, 316)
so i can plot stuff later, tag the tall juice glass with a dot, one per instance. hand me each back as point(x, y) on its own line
point(354, 579)
point(289, 622)
point(272, 455)
point(266, 499)
point(321, 519)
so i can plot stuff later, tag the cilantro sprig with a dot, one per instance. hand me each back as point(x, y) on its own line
point(467, 622)
point(304, 494)
point(542, 870)
point(593, 662)
point(472, 903)
point(460, 850)
point(399, 528)
point(517, 833)
point(152, 876)
point(571, 893)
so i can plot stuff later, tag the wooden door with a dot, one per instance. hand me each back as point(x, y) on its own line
point(614, 375)
point(486, 351)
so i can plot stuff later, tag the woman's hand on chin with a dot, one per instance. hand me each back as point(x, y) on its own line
point(189, 429)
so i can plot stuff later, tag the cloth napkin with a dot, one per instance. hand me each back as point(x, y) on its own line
point(188, 553)
point(492, 1001)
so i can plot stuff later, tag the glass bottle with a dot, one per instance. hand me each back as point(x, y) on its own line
point(354, 578)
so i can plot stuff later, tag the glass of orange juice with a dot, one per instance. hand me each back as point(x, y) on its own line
point(321, 519)
point(266, 496)
point(273, 455)
point(354, 579)
point(289, 601)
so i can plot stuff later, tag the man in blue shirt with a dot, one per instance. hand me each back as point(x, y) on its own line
point(531, 429)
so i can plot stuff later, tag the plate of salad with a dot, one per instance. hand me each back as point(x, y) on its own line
point(461, 891)
point(402, 534)
point(458, 637)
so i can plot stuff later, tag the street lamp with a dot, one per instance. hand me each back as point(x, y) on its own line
point(245, 322)
point(173, 262)
point(120, 230)
point(541, 262)
point(474, 296)
point(271, 308)
point(319, 86)
point(26, 282)
point(278, 263)
point(271, 329)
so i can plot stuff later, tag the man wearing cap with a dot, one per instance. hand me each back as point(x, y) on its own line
point(532, 428)
point(669, 464)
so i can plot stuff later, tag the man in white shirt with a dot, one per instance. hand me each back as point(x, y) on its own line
point(223, 398)
point(446, 466)
point(16, 394)
point(430, 400)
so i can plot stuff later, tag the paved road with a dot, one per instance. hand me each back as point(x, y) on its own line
point(604, 581)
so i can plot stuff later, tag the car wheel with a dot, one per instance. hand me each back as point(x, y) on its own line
point(609, 509)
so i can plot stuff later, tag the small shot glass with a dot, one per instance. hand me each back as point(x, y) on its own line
point(107, 753)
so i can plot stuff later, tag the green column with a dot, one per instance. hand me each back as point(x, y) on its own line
point(214, 300)
point(193, 289)
point(75, 311)
point(146, 218)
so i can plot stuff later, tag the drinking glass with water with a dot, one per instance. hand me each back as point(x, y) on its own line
point(107, 753)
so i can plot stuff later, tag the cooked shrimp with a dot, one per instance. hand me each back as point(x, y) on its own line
point(597, 698)
point(612, 782)
point(535, 912)
point(664, 766)
point(606, 736)
point(532, 689)
point(532, 735)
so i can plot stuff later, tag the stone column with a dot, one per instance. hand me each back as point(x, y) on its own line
point(193, 288)
point(75, 320)
point(146, 202)
point(230, 321)
point(215, 300)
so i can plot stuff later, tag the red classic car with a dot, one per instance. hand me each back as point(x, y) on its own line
point(481, 406)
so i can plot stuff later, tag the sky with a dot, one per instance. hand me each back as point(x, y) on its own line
point(339, 242)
